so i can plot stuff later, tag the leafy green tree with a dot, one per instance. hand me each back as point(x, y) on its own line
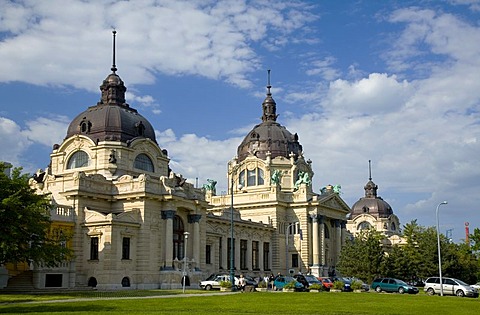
point(25, 229)
point(458, 261)
point(362, 257)
point(420, 251)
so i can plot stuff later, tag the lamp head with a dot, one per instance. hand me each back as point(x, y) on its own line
point(444, 202)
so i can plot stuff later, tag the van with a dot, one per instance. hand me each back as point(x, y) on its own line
point(451, 286)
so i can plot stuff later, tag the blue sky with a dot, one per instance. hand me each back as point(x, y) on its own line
point(395, 82)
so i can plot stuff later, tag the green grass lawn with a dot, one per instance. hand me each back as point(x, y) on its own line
point(174, 302)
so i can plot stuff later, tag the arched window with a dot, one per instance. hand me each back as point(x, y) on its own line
point(78, 159)
point(92, 282)
point(178, 238)
point(251, 177)
point(364, 226)
point(393, 226)
point(125, 282)
point(143, 162)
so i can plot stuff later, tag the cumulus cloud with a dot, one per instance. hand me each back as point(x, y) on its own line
point(209, 39)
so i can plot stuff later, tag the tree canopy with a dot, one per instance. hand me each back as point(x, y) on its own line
point(26, 233)
point(365, 257)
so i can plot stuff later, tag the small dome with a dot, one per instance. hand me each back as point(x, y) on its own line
point(111, 119)
point(371, 203)
point(269, 136)
point(376, 207)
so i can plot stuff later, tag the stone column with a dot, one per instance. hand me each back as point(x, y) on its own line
point(168, 215)
point(260, 255)
point(321, 221)
point(338, 230)
point(195, 219)
point(344, 232)
point(224, 262)
point(315, 243)
point(249, 255)
point(236, 258)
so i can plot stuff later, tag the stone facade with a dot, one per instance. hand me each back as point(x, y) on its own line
point(135, 224)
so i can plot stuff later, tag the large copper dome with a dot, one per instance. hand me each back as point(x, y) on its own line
point(371, 203)
point(269, 136)
point(111, 119)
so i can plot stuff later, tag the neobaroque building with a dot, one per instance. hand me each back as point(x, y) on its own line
point(372, 212)
point(136, 224)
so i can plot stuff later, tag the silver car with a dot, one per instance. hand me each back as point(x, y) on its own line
point(451, 286)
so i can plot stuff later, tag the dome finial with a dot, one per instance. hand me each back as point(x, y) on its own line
point(114, 67)
point(268, 83)
point(369, 170)
point(269, 106)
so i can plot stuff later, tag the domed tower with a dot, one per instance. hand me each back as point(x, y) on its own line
point(110, 138)
point(270, 155)
point(269, 137)
point(271, 182)
point(372, 211)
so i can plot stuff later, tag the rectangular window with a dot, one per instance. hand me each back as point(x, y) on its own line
point(241, 178)
point(243, 254)
point(94, 248)
point(260, 177)
point(255, 255)
point(251, 177)
point(126, 248)
point(294, 260)
point(208, 254)
point(266, 256)
point(220, 253)
point(53, 280)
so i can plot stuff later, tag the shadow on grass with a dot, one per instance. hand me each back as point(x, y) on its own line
point(51, 309)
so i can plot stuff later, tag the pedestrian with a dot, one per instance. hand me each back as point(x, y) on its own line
point(242, 283)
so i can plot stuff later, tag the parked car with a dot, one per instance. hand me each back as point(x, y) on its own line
point(346, 283)
point(451, 286)
point(307, 280)
point(476, 286)
point(281, 281)
point(327, 283)
point(215, 282)
point(393, 285)
point(365, 286)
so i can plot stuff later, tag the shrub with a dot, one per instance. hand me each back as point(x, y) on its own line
point(316, 286)
point(338, 285)
point(356, 285)
point(225, 284)
point(290, 285)
point(262, 284)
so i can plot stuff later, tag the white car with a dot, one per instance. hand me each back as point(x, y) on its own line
point(476, 286)
point(215, 282)
point(451, 286)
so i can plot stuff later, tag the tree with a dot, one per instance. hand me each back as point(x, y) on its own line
point(420, 252)
point(26, 232)
point(362, 257)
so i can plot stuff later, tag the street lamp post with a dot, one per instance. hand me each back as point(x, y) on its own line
point(232, 251)
point(438, 245)
point(185, 234)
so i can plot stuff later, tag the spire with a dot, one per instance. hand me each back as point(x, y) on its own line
point(114, 67)
point(269, 106)
point(370, 187)
point(113, 89)
point(369, 169)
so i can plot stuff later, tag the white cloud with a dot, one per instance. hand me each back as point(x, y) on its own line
point(199, 157)
point(12, 142)
point(47, 131)
point(209, 39)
